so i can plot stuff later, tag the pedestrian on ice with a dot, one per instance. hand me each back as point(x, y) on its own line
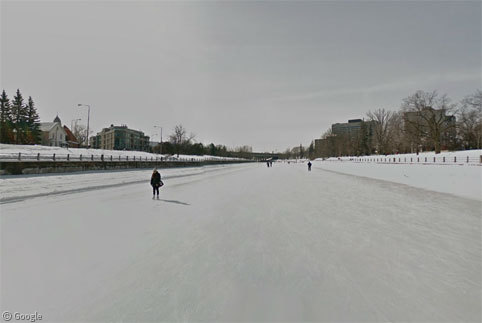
point(156, 183)
point(309, 166)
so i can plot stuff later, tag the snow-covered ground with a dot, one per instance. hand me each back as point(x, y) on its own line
point(474, 157)
point(8, 152)
point(242, 243)
point(461, 180)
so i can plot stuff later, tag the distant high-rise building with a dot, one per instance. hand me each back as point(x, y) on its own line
point(351, 127)
point(425, 125)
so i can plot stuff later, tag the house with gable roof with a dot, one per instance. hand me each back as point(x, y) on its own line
point(53, 134)
point(72, 140)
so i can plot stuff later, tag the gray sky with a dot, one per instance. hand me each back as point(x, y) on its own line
point(267, 74)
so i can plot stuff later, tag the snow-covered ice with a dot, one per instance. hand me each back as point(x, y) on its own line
point(19, 187)
point(241, 242)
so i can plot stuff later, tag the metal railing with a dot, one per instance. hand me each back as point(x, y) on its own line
point(23, 157)
point(438, 160)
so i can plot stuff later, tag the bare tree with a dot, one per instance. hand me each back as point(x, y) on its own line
point(179, 138)
point(287, 153)
point(429, 117)
point(398, 138)
point(382, 129)
point(297, 151)
point(470, 120)
point(80, 132)
point(244, 151)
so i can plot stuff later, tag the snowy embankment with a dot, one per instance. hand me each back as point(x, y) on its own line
point(473, 157)
point(463, 180)
point(9, 152)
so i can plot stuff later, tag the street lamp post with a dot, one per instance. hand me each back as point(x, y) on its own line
point(160, 149)
point(88, 119)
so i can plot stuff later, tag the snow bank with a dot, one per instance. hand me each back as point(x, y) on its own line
point(8, 151)
point(474, 157)
point(460, 180)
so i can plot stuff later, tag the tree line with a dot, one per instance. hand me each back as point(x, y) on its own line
point(426, 121)
point(180, 142)
point(19, 120)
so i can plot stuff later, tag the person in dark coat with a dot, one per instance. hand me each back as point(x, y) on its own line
point(155, 183)
point(309, 166)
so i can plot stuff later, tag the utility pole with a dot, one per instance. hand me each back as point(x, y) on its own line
point(160, 148)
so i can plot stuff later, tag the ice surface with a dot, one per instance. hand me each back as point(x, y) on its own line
point(18, 187)
point(242, 242)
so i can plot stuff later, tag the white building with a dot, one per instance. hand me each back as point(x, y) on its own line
point(53, 134)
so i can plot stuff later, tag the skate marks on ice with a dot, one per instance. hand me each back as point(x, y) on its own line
point(14, 199)
point(17, 188)
point(280, 245)
point(291, 246)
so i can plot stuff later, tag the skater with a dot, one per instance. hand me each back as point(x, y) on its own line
point(309, 166)
point(156, 183)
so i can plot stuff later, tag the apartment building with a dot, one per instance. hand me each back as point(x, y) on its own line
point(351, 127)
point(430, 127)
point(120, 138)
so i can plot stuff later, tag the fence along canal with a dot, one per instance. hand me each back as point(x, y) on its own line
point(23, 163)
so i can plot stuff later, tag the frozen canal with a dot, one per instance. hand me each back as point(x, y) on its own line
point(240, 243)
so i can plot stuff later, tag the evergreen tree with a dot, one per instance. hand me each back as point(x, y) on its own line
point(6, 134)
point(311, 150)
point(33, 123)
point(212, 150)
point(302, 151)
point(19, 118)
point(363, 140)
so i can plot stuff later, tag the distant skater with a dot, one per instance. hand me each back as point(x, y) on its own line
point(156, 183)
point(309, 166)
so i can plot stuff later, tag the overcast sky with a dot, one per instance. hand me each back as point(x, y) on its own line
point(270, 75)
